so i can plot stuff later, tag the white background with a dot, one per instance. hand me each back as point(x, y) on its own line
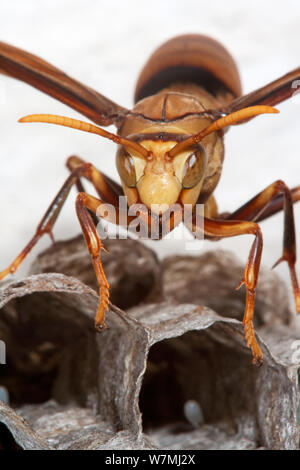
point(105, 44)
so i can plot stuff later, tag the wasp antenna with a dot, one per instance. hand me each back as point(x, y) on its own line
point(86, 127)
point(233, 118)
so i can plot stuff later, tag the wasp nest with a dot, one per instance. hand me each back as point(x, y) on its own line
point(173, 372)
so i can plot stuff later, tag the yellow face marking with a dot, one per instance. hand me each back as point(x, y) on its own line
point(139, 165)
point(158, 187)
point(159, 181)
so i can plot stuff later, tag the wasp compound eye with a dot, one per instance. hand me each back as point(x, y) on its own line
point(194, 168)
point(126, 169)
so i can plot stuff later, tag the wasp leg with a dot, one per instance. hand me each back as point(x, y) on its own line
point(102, 183)
point(84, 204)
point(274, 206)
point(275, 197)
point(45, 226)
point(217, 229)
point(277, 204)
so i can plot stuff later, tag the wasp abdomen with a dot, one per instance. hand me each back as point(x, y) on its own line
point(194, 59)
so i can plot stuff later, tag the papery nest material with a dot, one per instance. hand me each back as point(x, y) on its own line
point(127, 387)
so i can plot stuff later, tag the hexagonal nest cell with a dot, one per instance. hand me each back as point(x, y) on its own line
point(167, 374)
point(194, 367)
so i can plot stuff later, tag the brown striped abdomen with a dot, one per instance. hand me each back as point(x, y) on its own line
point(191, 58)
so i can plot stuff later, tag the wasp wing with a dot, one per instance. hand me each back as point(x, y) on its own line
point(271, 94)
point(40, 74)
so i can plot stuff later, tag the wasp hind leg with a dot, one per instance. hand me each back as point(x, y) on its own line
point(217, 229)
point(271, 200)
point(276, 197)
